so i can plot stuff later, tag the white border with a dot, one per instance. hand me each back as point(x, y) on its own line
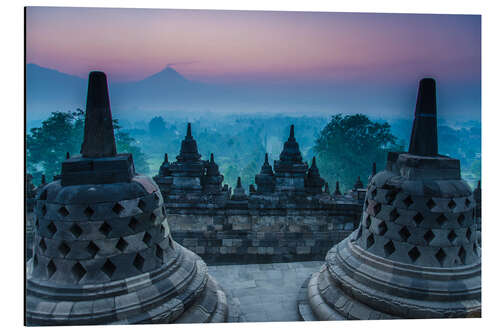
point(12, 153)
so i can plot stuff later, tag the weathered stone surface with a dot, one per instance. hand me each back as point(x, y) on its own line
point(415, 253)
point(103, 253)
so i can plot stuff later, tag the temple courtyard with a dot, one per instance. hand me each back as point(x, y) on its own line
point(264, 292)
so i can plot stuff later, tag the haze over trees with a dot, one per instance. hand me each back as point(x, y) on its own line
point(349, 144)
point(345, 145)
point(62, 132)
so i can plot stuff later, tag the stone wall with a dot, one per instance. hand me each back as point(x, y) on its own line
point(258, 236)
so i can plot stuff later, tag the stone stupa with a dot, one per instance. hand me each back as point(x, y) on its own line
point(290, 171)
point(415, 253)
point(103, 253)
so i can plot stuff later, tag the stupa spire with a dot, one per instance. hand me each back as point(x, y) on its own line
point(99, 137)
point(238, 183)
point(423, 139)
point(67, 155)
point(165, 160)
point(188, 132)
point(374, 169)
point(292, 133)
point(266, 159)
point(212, 158)
point(337, 188)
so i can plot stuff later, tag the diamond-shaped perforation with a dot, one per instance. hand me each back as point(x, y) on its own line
point(475, 249)
point(88, 212)
point(467, 202)
point(63, 211)
point(441, 219)
point(359, 233)
point(51, 268)
point(162, 230)
point(76, 230)
point(138, 262)
point(390, 196)
point(159, 252)
point(429, 236)
point(414, 254)
point(92, 249)
point(452, 236)
point(370, 240)
point(133, 223)
point(389, 248)
point(452, 204)
point(430, 204)
point(105, 228)
point(141, 204)
point(51, 227)
point(404, 233)
point(440, 256)
point(368, 221)
point(108, 268)
point(382, 228)
point(461, 219)
point(147, 238)
point(122, 244)
point(156, 197)
point(462, 254)
point(468, 234)
point(408, 201)
point(117, 208)
point(393, 215)
point(418, 218)
point(42, 245)
point(64, 249)
point(377, 208)
point(78, 271)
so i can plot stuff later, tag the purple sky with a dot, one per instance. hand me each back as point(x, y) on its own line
point(131, 44)
point(375, 52)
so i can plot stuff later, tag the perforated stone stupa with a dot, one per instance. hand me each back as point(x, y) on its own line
point(103, 253)
point(415, 253)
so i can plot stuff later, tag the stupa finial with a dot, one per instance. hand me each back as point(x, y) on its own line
point(238, 183)
point(99, 137)
point(211, 157)
point(188, 133)
point(165, 160)
point(266, 160)
point(292, 132)
point(423, 139)
point(374, 169)
point(313, 164)
point(67, 155)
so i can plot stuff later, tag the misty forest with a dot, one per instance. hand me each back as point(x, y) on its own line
point(345, 145)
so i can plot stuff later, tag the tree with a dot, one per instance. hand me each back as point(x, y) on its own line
point(348, 145)
point(157, 126)
point(62, 132)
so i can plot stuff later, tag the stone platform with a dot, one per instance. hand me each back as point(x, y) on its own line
point(264, 292)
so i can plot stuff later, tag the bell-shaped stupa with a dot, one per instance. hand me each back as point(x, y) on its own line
point(212, 180)
point(265, 179)
point(313, 182)
point(415, 253)
point(290, 170)
point(103, 253)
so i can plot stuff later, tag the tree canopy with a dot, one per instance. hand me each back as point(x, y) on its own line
point(348, 145)
point(62, 132)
